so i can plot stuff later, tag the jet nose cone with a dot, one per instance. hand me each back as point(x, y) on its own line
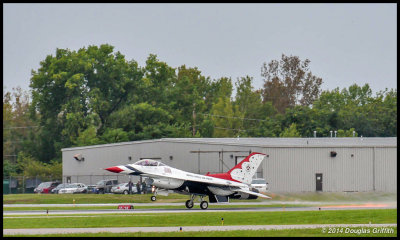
point(114, 169)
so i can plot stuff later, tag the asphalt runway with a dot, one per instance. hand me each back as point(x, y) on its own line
point(195, 209)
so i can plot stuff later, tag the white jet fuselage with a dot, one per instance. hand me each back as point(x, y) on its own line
point(170, 178)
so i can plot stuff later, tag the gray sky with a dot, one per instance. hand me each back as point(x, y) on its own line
point(346, 43)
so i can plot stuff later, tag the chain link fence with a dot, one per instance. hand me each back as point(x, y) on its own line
point(23, 184)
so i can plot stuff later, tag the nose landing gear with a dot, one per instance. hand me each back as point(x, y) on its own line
point(154, 190)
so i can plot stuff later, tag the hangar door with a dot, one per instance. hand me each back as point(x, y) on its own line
point(318, 181)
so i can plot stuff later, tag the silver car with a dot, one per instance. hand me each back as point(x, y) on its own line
point(260, 184)
point(56, 189)
point(123, 188)
point(73, 188)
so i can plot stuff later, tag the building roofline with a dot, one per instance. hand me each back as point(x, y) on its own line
point(277, 142)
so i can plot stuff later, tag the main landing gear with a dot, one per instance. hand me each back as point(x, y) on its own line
point(190, 203)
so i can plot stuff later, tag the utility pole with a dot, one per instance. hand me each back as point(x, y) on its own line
point(194, 119)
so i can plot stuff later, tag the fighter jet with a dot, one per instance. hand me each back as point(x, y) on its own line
point(234, 184)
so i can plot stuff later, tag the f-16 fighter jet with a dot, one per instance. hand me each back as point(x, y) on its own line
point(234, 184)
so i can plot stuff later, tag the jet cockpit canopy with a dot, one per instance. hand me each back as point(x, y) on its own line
point(149, 162)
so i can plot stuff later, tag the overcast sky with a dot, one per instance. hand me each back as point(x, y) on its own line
point(346, 43)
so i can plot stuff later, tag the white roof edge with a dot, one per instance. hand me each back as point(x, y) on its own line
point(110, 144)
point(385, 142)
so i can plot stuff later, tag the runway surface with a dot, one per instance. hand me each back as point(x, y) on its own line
point(187, 228)
point(184, 210)
point(269, 202)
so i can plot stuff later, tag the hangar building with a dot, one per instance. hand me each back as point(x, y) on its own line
point(291, 165)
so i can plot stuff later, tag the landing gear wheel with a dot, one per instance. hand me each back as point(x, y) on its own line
point(204, 205)
point(153, 198)
point(189, 204)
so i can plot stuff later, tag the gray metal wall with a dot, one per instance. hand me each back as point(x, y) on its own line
point(293, 169)
point(286, 169)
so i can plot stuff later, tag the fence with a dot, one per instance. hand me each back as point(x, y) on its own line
point(93, 179)
point(23, 184)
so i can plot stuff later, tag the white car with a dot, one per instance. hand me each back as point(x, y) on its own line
point(260, 184)
point(123, 188)
point(73, 188)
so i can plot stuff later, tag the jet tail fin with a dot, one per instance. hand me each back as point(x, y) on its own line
point(245, 170)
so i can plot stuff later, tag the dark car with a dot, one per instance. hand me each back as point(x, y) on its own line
point(104, 186)
point(45, 187)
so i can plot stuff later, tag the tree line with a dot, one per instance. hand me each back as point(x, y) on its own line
point(95, 96)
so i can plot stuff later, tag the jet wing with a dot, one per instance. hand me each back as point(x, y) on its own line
point(196, 178)
point(253, 193)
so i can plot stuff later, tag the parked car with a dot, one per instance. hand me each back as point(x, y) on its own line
point(91, 188)
point(45, 187)
point(73, 188)
point(260, 184)
point(56, 189)
point(123, 188)
point(104, 186)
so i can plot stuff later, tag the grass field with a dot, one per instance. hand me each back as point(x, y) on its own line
point(206, 219)
point(176, 198)
point(197, 218)
point(317, 232)
point(147, 207)
point(88, 198)
point(335, 196)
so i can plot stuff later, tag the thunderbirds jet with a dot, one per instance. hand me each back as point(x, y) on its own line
point(218, 187)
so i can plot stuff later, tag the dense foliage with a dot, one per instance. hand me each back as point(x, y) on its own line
point(96, 96)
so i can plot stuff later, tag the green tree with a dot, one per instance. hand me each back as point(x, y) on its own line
point(357, 108)
point(115, 135)
point(88, 137)
point(18, 129)
point(144, 121)
point(188, 98)
point(290, 131)
point(28, 166)
point(249, 102)
point(227, 118)
point(271, 127)
point(72, 85)
point(9, 169)
point(289, 82)
point(158, 79)
point(346, 133)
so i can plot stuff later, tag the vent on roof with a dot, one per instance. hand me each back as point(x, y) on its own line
point(333, 154)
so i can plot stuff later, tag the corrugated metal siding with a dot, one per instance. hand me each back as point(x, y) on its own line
point(286, 169)
point(209, 161)
point(294, 169)
point(386, 169)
